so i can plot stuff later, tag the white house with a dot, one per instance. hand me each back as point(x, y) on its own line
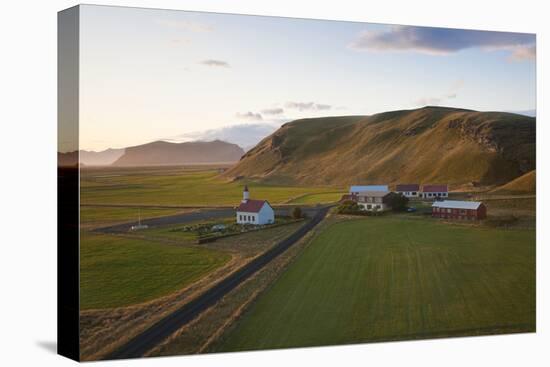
point(408, 190)
point(434, 192)
point(254, 211)
point(373, 200)
point(354, 190)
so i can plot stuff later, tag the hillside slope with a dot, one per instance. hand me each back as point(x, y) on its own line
point(165, 153)
point(525, 184)
point(430, 144)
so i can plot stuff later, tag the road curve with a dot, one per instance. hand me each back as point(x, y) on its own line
point(162, 329)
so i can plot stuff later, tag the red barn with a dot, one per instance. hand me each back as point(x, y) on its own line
point(465, 210)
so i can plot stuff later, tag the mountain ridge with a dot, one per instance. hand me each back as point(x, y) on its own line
point(429, 144)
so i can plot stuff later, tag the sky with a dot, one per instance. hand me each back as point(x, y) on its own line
point(149, 75)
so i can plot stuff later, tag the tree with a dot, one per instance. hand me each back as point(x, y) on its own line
point(349, 207)
point(297, 213)
point(398, 202)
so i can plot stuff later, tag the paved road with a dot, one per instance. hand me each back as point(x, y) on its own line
point(182, 218)
point(159, 331)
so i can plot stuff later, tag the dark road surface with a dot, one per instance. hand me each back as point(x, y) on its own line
point(162, 329)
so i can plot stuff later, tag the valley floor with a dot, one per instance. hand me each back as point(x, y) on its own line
point(385, 278)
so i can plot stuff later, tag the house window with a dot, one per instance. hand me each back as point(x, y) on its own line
point(241, 217)
point(413, 193)
point(448, 210)
point(378, 207)
point(369, 206)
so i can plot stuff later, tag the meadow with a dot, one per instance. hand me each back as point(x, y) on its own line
point(178, 187)
point(117, 271)
point(388, 278)
point(93, 215)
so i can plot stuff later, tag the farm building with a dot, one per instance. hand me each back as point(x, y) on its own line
point(354, 190)
point(254, 211)
point(454, 209)
point(408, 190)
point(373, 200)
point(434, 191)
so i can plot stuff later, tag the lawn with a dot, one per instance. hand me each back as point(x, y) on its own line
point(377, 279)
point(178, 187)
point(117, 271)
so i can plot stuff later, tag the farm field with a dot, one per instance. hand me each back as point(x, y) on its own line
point(178, 187)
point(117, 271)
point(378, 279)
point(98, 215)
point(324, 197)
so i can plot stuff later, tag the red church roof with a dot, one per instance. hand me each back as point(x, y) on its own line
point(434, 188)
point(251, 206)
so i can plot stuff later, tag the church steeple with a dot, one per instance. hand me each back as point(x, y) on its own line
point(246, 194)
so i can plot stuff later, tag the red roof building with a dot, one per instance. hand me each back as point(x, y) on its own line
point(251, 206)
point(434, 191)
point(408, 190)
point(251, 211)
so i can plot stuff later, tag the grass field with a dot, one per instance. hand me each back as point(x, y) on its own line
point(324, 197)
point(117, 271)
point(178, 187)
point(94, 214)
point(384, 278)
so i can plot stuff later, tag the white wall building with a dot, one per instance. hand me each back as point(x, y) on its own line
point(373, 200)
point(254, 211)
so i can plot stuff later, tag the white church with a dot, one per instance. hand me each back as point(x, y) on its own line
point(254, 211)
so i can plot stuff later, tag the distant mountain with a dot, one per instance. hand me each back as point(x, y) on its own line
point(165, 153)
point(90, 158)
point(426, 145)
point(530, 113)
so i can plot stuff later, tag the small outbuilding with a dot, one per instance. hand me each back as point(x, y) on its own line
point(455, 209)
point(256, 212)
point(410, 191)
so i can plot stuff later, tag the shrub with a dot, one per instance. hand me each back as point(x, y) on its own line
point(398, 202)
point(349, 207)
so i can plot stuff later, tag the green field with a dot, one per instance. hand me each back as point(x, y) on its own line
point(178, 187)
point(324, 197)
point(117, 271)
point(384, 278)
point(94, 214)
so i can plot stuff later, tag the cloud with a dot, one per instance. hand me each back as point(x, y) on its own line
point(185, 24)
point(272, 111)
point(244, 135)
point(440, 41)
point(307, 106)
point(215, 63)
point(524, 53)
point(249, 116)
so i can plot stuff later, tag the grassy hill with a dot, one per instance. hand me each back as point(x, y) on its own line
point(525, 184)
point(430, 144)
